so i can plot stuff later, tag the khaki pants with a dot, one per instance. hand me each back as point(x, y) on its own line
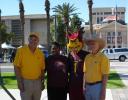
point(32, 90)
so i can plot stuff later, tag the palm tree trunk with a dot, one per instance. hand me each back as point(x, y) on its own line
point(47, 9)
point(90, 3)
point(22, 22)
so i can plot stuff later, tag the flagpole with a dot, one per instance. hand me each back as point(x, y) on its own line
point(116, 25)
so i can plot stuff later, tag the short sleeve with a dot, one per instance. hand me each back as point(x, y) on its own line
point(17, 60)
point(105, 65)
point(84, 67)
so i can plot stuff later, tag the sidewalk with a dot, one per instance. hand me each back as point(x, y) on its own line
point(122, 70)
point(111, 94)
point(16, 94)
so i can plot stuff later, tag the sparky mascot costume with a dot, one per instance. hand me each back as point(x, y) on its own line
point(76, 56)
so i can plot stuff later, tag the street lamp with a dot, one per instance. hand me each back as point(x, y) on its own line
point(47, 9)
point(22, 22)
point(90, 3)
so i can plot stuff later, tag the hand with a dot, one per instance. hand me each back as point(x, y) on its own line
point(21, 86)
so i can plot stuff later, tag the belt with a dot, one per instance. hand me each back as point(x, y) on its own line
point(94, 83)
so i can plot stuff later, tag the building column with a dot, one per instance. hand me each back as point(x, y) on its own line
point(27, 27)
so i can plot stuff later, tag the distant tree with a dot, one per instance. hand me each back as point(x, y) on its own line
point(52, 32)
point(65, 11)
point(75, 23)
point(5, 37)
point(61, 34)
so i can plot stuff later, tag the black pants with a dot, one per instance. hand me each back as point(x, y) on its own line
point(55, 93)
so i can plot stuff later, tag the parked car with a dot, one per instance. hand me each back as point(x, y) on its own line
point(120, 54)
point(45, 51)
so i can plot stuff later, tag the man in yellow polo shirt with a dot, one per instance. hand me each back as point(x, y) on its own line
point(96, 70)
point(29, 65)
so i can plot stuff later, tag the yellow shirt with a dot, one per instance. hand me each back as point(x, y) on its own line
point(30, 64)
point(95, 66)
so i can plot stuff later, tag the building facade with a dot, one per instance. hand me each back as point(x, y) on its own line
point(99, 14)
point(114, 38)
point(109, 25)
point(33, 23)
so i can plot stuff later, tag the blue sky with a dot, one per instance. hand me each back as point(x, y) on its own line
point(11, 7)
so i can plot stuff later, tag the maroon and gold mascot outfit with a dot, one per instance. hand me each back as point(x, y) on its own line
point(76, 56)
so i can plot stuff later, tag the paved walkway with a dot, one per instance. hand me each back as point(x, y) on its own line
point(16, 94)
point(122, 70)
point(113, 94)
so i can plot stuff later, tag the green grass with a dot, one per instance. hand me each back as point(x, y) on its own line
point(114, 81)
point(9, 80)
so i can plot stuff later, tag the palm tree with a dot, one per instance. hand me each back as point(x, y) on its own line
point(90, 3)
point(75, 23)
point(21, 7)
point(4, 36)
point(65, 10)
point(47, 9)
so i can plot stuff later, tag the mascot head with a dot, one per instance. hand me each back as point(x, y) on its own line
point(74, 43)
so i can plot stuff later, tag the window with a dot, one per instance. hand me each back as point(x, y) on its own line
point(118, 13)
point(121, 50)
point(16, 27)
point(98, 21)
point(111, 51)
point(108, 40)
point(97, 13)
point(113, 34)
point(108, 34)
point(119, 33)
point(113, 40)
point(101, 19)
point(93, 13)
point(119, 39)
point(105, 51)
point(107, 13)
point(122, 12)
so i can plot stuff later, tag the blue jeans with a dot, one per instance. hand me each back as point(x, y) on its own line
point(93, 91)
